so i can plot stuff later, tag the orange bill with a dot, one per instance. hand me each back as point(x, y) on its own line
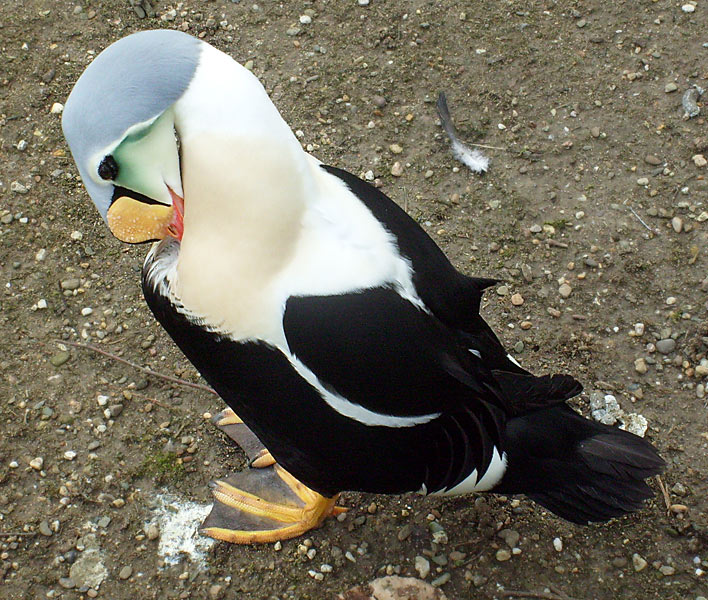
point(133, 221)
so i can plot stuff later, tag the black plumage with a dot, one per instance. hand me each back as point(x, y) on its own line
point(440, 363)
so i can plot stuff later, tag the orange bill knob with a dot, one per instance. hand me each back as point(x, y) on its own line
point(133, 221)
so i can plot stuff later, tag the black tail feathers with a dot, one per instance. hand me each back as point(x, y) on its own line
point(580, 470)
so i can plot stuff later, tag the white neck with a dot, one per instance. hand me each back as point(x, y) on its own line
point(245, 180)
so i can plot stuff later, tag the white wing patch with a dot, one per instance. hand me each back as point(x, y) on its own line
point(491, 477)
point(512, 359)
point(354, 411)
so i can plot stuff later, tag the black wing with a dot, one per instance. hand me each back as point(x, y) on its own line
point(451, 296)
point(379, 351)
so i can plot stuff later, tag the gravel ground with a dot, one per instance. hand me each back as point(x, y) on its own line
point(594, 214)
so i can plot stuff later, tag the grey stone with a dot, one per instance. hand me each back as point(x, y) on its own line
point(666, 346)
point(88, 570)
point(60, 358)
point(125, 572)
point(44, 528)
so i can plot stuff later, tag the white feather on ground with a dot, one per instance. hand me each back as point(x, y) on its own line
point(470, 157)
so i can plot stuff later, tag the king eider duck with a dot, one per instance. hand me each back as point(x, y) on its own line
point(333, 327)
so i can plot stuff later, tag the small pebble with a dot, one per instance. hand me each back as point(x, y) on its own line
point(37, 463)
point(557, 544)
point(503, 555)
point(395, 148)
point(699, 160)
point(565, 290)
point(667, 570)
point(502, 290)
point(125, 572)
point(422, 566)
point(652, 160)
point(442, 580)
point(670, 87)
point(215, 591)
point(679, 489)
point(677, 224)
point(638, 562)
point(688, 8)
point(70, 284)
point(115, 410)
point(57, 108)
point(517, 299)
point(44, 528)
point(643, 181)
point(59, 358)
point(666, 346)
point(404, 532)
point(510, 536)
point(152, 531)
point(397, 169)
point(67, 583)
point(69, 455)
point(104, 522)
point(18, 188)
point(640, 366)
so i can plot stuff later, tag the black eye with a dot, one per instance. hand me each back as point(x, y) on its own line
point(108, 169)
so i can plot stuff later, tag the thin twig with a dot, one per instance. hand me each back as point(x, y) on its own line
point(559, 592)
point(634, 212)
point(177, 380)
point(664, 493)
point(541, 595)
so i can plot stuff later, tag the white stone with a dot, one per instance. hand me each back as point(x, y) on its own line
point(77, 236)
point(634, 423)
point(70, 455)
point(305, 19)
point(57, 108)
point(688, 8)
point(86, 311)
point(422, 565)
point(557, 544)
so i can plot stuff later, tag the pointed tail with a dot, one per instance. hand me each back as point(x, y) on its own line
point(580, 470)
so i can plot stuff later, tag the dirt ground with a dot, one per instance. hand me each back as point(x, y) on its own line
point(593, 184)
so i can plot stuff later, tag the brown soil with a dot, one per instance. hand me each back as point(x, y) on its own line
point(580, 91)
